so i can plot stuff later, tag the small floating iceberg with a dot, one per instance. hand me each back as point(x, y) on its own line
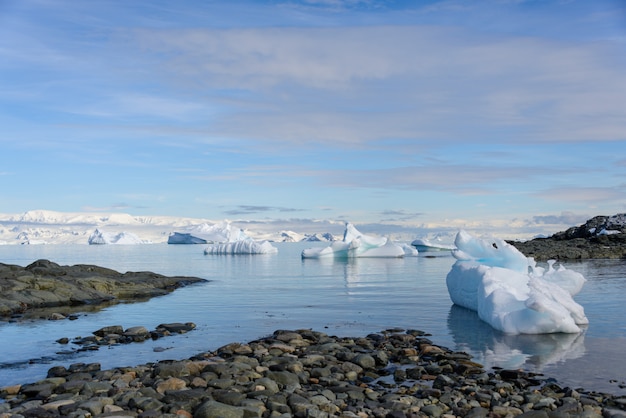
point(424, 245)
point(355, 244)
point(510, 292)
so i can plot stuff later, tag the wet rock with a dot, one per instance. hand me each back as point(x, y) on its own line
point(176, 328)
point(213, 409)
point(320, 376)
point(45, 284)
point(137, 334)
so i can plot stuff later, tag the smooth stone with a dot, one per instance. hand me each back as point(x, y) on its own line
point(214, 409)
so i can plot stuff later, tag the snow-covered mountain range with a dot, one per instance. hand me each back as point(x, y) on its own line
point(50, 227)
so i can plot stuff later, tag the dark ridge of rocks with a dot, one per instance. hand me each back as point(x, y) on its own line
point(599, 237)
point(109, 336)
point(305, 373)
point(116, 335)
point(45, 284)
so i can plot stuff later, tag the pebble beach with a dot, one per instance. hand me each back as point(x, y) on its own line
point(306, 373)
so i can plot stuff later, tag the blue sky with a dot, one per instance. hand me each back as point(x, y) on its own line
point(500, 115)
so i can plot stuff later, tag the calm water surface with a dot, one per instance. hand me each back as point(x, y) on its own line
point(251, 296)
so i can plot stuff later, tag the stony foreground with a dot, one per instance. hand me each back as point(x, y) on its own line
point(304, 373)
point(44, 284)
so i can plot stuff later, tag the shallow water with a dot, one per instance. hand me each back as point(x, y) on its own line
point(251, 296)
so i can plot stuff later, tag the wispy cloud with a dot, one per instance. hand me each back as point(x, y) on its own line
point(395, 215)
point(251, 210)
point(595, 195)
point(547, 90)
point(364, 110)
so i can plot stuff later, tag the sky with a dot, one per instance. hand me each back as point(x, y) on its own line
point(506, 116)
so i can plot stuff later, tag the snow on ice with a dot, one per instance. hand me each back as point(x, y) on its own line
point(227, 240)
point(99, 237)
point(208, 234)
point(510, 292)
point(243, 246)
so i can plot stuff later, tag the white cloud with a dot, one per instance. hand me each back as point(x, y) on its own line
point(435, 83)
point(475, 104)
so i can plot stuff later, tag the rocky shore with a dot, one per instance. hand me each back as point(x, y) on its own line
point(45, 284)
point(304, 373)
point(599, 237)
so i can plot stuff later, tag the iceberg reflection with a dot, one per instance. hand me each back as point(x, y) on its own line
point(493, 348)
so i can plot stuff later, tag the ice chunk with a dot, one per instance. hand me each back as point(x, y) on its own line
point(245, 246)
point(510, 292)
point(355, 244)
point(426, 245)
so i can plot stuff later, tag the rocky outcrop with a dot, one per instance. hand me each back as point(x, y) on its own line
point(45, 284)
point(599, 237)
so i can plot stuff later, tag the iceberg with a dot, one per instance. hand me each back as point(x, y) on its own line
point(244, 246)
point(208, 234)
point(226, 240)
point(425, 245)
point(99, 237)
point(184, 238)
point(355, 244)
point(510, 292)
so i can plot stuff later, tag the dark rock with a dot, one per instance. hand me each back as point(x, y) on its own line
point(599, 237)
point(113, 329)
point(45, 284)
point(212, 409)
point(317, 377)
point(177, 327)
point(39, 412)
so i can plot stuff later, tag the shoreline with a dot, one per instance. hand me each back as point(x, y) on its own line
point(393, 373)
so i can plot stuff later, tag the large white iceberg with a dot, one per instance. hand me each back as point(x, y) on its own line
point(100, 237)
point(208, 234)
point(510, 292)
point(244, 246)
point(355, 244)
point(230, 241)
